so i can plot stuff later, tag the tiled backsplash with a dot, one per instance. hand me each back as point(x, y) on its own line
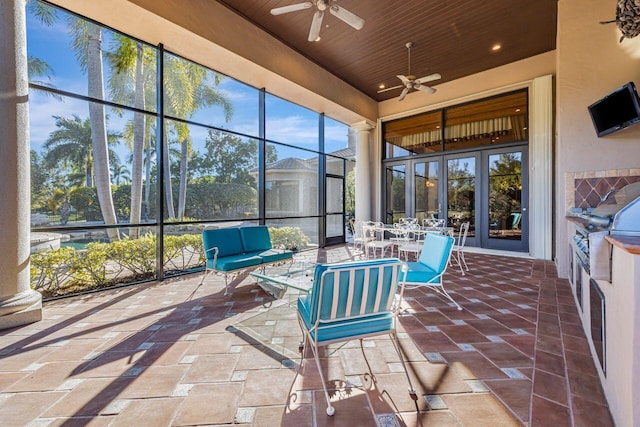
point(586, 189)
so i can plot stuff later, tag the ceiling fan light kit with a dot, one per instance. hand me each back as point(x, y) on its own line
point(410, 81)
point(321, 5)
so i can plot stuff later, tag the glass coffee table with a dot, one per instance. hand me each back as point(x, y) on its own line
point(277, 279)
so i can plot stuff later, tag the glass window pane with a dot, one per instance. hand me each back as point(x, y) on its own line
point(461, 193)
point(213, 173)
point(335, 166)
point(291, 187)
point(76, 262)
point(426, 191)
point(396, 186)
point(334, 226)
point(66, 175)
point(60, 53)
point(299, 233)
point(505, 196)
point(198, 94)
point(291, 124)
point(496, 120)
point(336, 139)
point(418, 134)
point(334, 195)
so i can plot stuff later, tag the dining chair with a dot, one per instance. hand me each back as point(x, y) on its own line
point(352, 300)
point(431, 265)
point(458, 247)
point(374, 236)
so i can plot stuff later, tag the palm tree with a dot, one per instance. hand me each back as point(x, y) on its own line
point(132, 62)
point(188, 87)
point(71, 145)
point(87, 45)
point(119, 172)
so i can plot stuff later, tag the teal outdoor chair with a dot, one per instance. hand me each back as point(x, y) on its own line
point(431, 265)
point(352, 301)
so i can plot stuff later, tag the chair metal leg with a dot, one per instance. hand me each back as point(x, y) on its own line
point(330, 409)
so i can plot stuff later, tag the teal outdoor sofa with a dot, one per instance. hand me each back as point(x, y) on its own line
point(231, 250)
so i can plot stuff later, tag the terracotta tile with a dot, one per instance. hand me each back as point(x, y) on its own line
point(20, 409)
point(429, 418)
point(299, 415)
point(46, 378)
point(430, 378)
point(576, 344)
point(479, 409)
point(8, 378)
point(148, 412)
point(155, 381)
point(523, 343)
point(267, 387)
point(551, 387)
point(489, 327)
point(463, 334)
point(586, 413)
point(163, 354)
point(211, 343)
point(89, 398)
point(389, 393)
point(504, 355)
point(73, 350)
point(545, 413)
point(198, 406)
point(352, 408)
point(110, 364)
point(512, 321)
point(549, 344)
point(429, 342)
point(217, 367)
point(587, 387)
point(432, 318)
point(514, 394)
point(472, 365)
point(549, 362)
point(356, 363)
point(581, 363)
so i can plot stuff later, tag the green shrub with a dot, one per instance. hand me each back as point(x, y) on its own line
point(291, 238)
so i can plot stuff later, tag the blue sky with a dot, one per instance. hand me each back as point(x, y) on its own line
point(286, 122)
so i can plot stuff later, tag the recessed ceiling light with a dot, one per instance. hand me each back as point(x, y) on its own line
point(496, 47)
point(317, 39)
point(381, 86)
point(517, 110)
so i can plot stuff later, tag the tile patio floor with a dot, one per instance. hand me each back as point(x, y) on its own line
point(176, 353)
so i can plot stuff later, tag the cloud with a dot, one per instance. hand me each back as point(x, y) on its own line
point(293, 130)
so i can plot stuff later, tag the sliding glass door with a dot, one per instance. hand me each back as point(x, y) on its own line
point(487, 188)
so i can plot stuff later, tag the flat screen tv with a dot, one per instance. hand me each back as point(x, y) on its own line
point(616, 111)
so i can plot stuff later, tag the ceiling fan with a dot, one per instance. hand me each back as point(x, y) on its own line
point(411, 82)
point(321, 5)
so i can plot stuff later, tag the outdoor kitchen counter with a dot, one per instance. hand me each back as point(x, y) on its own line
point(630, 244)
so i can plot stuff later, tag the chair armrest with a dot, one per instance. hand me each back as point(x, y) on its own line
point(215, 255)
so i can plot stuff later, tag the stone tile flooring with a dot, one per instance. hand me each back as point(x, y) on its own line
point(176, 353)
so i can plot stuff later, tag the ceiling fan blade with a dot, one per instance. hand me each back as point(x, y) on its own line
point(316, 24)
point(427, 89)
point(390, 88)
point(403, 94)
point(404, 79)
point(429, 78)
point(291, 8)
point(344, 15)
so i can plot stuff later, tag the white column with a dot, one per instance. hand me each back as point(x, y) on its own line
point(541, 166)
point(363, 170)
point(19, 304)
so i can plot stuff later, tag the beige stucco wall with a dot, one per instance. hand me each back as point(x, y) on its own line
point(591, 63)
point(210, 34)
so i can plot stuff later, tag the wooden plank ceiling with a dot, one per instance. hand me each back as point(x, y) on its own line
point(450, 37)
